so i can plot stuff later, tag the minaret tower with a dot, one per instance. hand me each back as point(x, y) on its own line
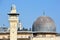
point(20, 25)
point(13, 19)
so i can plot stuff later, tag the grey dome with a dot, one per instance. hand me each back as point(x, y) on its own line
point(44, 24)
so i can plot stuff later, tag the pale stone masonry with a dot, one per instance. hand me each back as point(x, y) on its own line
point(13, 19)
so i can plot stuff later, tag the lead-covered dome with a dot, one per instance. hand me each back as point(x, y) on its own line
point(44, 24)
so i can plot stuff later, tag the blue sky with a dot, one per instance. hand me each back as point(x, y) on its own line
point(30, 10)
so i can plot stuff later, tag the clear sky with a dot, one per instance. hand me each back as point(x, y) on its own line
point(30, 10)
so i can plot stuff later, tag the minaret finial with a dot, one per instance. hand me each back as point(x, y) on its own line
point(43, 13)
point(13, 7)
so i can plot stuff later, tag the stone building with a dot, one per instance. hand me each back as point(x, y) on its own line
point(43, 28)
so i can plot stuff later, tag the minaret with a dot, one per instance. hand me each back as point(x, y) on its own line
point(13, 19)
point(20, 25)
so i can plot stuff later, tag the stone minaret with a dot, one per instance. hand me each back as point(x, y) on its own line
point(13, 19)
point(20, 25)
